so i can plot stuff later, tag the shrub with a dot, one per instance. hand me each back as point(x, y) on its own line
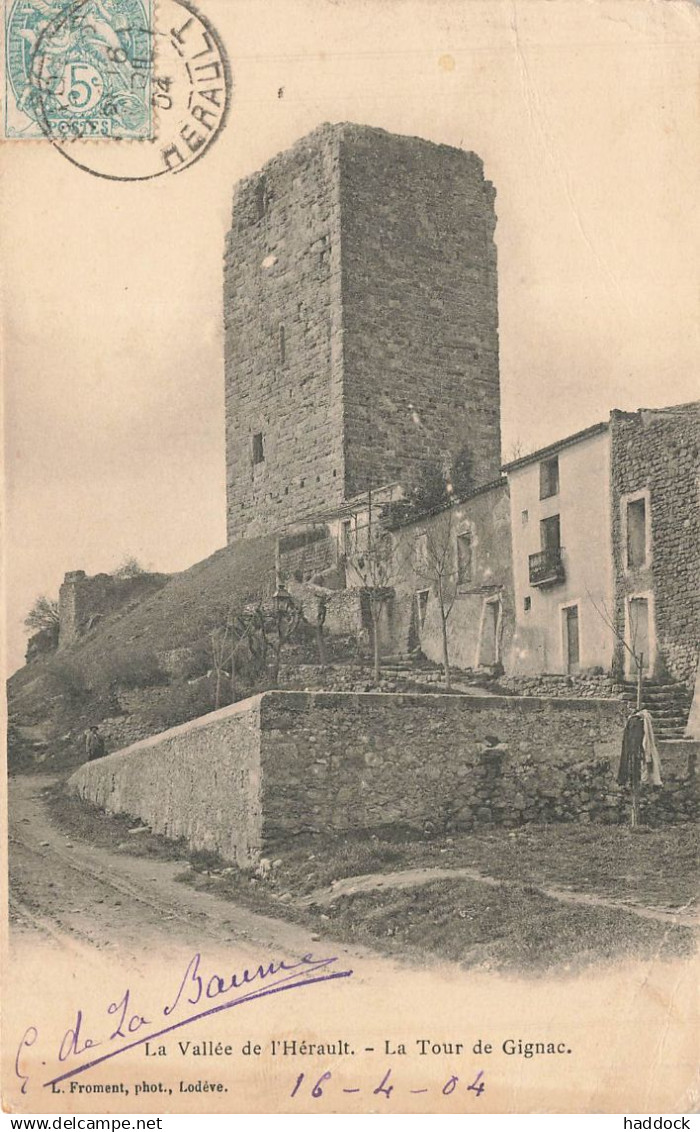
point(131, 668)
point(181, 702)
point(66, 677)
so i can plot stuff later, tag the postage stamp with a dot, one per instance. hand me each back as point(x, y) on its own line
point(90, 75)
point(79, 69)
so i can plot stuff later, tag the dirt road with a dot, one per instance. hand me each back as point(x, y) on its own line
point(76, 893)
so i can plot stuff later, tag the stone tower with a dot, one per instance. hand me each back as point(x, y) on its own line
point(361, 317)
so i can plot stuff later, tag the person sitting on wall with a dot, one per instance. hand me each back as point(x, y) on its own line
point(94, 744)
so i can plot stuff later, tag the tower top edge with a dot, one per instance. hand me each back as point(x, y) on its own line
point(330, 133)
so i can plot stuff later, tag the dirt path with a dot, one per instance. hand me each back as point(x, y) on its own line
point(411, 878)
point(83, 896)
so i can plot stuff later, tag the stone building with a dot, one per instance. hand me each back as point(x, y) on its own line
point(361, 323)
point(464, 549)
point(656, 537)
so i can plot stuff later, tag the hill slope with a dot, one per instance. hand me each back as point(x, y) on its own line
point(119, 675)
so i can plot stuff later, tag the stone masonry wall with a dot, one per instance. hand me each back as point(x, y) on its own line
point(283, 340)
point(336, 761)
point(259, 773)
point(199, 781)
point(307, 553)
point(82, 600)
point(361, 323)
point(657, 449)
point(420, 308)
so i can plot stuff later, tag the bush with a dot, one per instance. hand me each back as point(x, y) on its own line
point(181, 702)
point(131, 668)
point(65, 677)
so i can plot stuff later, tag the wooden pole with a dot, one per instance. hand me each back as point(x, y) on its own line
point(634, 819)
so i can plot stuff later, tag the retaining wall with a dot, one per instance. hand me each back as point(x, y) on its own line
point(199, 781)
point(281, 764)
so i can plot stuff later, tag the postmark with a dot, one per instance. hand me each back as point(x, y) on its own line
point(157, 105)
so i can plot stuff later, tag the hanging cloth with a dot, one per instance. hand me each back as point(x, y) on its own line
point(640, 761)
point(630, 769)
point(651, 763)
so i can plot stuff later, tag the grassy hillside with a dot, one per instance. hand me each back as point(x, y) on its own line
point(120, 675)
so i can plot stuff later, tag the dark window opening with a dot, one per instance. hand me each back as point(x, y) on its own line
point(527, 604)
point(636, 532)
point(422, 605)
point(549, 478)
point(347, 537)
point(260, 197)
point(258, 448)
point(550, 533)
point(283, 344)
point(464, 558)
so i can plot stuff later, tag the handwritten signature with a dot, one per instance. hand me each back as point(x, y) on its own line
point(123, 1026)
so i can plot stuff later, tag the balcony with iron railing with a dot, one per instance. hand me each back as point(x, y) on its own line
point(547, 567)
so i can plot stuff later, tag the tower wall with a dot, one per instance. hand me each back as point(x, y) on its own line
point(420, 309)
point(282, 321)
point(361, 321)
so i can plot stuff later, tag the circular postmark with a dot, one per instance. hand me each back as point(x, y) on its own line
point(122, 89)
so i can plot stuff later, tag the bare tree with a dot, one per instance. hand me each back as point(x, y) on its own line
point(375, 562)
point(516, 450)
point(435, 562)
point(129, 568)
point(42, 615)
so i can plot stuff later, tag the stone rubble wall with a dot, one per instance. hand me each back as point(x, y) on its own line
point(334, 761)
point(83, 599)
point(258, 774)
point(553, 684)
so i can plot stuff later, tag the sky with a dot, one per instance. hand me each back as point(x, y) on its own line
point(585, 116)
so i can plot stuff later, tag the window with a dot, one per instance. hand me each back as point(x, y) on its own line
point(550, 533)
point(347, 537)
point(258, 448)
point(260, 197)
point(422, 605)
point(283, 344)
point(549, 478)
point(464, 558)
point(636, 533)
point(527, 604)
point(422, 553)
point(524, 518)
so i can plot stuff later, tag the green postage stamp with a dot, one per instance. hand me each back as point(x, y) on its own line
point(78, 69)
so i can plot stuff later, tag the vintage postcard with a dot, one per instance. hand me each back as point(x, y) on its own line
point(352, 555)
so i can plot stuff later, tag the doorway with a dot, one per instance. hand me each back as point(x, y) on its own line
point(572, 645)
point(489, 647)
point(638, 634)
